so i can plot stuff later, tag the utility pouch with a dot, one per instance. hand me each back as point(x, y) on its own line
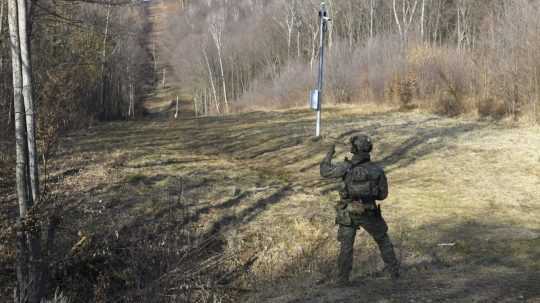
point(356, 208)
point(342, 215)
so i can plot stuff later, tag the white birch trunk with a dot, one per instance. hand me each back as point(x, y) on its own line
point(289, 38)
point(205, 102)
point(131, 109)
point(211, 78)
point(103, 58)
point(1, 22)
point(458, 27)
point(21, 142)
point(400, 30)
point(330, 27)
point(371, 13)
point(298, 53)
point(223, 81)
point(314, 47)
point(28, 259)
point(435, 31)
point(154, 55)
point(422, 20)
point(2, 5)
point(176, 112)
point(216, 31)
point(26, 69)
point(195, 105)
point(163, 78)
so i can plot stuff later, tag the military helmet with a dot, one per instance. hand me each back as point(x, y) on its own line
point(361, 144)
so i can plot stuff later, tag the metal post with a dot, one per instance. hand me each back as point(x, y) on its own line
point(323, 20)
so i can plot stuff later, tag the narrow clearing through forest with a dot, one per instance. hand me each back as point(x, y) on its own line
point(463, 210)
point(237, 200)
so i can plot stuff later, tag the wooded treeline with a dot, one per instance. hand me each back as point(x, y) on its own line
point(62, 65)
point(451, 56)
point(81, 69)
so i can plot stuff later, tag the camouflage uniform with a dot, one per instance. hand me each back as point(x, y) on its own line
point(369, 217)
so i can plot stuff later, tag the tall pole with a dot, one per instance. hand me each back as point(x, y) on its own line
point(323, 20)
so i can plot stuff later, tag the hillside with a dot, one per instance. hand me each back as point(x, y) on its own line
point(463, 209)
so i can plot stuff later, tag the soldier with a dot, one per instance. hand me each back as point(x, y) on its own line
point(365, 182)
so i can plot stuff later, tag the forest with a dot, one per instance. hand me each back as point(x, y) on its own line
point(448, 56)
point(105, 197)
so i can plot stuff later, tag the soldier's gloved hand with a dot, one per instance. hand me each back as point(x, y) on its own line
point(332, 150)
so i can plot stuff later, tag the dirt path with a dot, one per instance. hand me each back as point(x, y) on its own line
point(161, 102)
point(463, 210)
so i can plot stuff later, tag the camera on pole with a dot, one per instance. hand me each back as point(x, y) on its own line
point(316, 95)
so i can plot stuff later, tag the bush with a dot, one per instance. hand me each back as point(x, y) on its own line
point(407, 87)
point(489, 107)
point(448, 104)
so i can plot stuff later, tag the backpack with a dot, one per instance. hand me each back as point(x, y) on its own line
point(360, 182)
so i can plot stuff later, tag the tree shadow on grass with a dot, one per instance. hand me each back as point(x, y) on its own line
point(249, 214)
point(421, 143)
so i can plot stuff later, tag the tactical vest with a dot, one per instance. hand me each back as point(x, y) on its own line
point(361, 182)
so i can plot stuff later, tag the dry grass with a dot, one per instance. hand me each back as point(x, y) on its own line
point(252, 180)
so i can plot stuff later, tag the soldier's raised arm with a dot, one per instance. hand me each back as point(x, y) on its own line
point(329, 170)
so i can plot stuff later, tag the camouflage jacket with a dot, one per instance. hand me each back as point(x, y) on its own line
point(340, 169)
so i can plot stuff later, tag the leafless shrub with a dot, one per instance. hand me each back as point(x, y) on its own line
point(289, 89)
point(343, 74)
point(407, 87)
point(445, 76)
point(383, 61)
point(58, 297)
point(154, 262)
point(511, 66)
point(490, 107)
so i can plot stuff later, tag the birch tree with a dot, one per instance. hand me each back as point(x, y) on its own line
point(287, 22)
point(26, 71)
point(371, 17)
point(2, 13)
point(210, 77)
point(217, 27)
point(422, 15)
point(2, 5)
point(29, 265)
point(404, 17)
point(463, 27)
point(103, 63)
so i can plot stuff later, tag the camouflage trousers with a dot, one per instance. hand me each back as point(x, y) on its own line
point(374, 224)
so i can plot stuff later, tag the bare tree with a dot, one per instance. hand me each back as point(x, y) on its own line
point(2, 13)
point(26, 70)
point(29, 258)
point(371, 16)
point(2, 5)
point(463, 26)
point(422, 16)
point(211, 77)
point(405, 17)
point(217, 27)
point(103, 63)
point(288, 23)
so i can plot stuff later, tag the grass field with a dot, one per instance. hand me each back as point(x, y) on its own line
point(463, 210)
